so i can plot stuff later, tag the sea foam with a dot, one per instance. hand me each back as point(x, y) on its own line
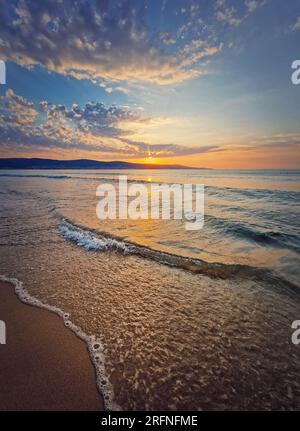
point(95, 346)
point(97, 241)
point(89, 240)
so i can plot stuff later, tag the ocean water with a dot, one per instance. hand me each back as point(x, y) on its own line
point(174, 319)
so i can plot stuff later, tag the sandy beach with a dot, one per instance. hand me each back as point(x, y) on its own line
point(43, 365)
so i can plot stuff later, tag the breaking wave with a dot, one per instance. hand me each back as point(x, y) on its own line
point(92, 240)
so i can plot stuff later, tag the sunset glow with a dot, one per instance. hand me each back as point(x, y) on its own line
point(149, 217)
point(197, 90)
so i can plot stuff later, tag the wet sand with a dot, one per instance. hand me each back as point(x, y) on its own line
point(43, 365)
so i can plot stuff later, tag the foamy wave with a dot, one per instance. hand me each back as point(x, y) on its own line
point(95, 347)
point(100, 241)
point(89, 240)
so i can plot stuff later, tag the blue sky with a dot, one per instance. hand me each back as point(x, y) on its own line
point(197, 82)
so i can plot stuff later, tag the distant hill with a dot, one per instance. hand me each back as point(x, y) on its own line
point(23, 163)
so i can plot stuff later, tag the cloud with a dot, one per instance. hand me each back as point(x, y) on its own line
point(281, 141)
point(104, 132)
point(94, 127)
point(296, 26)
point(94, 118)
point(228, 13)
point(171, 150)
point(228, 16)
point(252, 5)
point(97, 40)
point(17, 109)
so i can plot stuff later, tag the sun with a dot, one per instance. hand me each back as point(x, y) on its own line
point(150, 158)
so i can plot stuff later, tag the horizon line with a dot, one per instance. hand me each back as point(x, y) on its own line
point(174, 166)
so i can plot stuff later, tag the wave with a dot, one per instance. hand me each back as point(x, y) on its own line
point(242, 230)
point(95, 346)
point(236, 193)
point(96, 241)
point(89, 240)
point(58, 177)
point(239, 194)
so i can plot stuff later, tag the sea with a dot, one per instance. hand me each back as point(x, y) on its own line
point(174, 319)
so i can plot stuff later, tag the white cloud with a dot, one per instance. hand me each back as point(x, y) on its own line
point(251, 5)
point(96, 41)
point(92, 128)
point(228, 16)
point(296, 26)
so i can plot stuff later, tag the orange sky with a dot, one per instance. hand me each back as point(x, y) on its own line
point(227, 159)
point(235, 159)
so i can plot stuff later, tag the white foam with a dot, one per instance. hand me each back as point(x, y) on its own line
point(95, 347)
point(89, 240)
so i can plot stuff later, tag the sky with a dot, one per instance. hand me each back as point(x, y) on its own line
point(203, 83)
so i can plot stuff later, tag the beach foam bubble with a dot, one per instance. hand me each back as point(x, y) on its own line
point(96, 354)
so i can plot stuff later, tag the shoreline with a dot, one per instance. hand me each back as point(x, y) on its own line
point(43, 365)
